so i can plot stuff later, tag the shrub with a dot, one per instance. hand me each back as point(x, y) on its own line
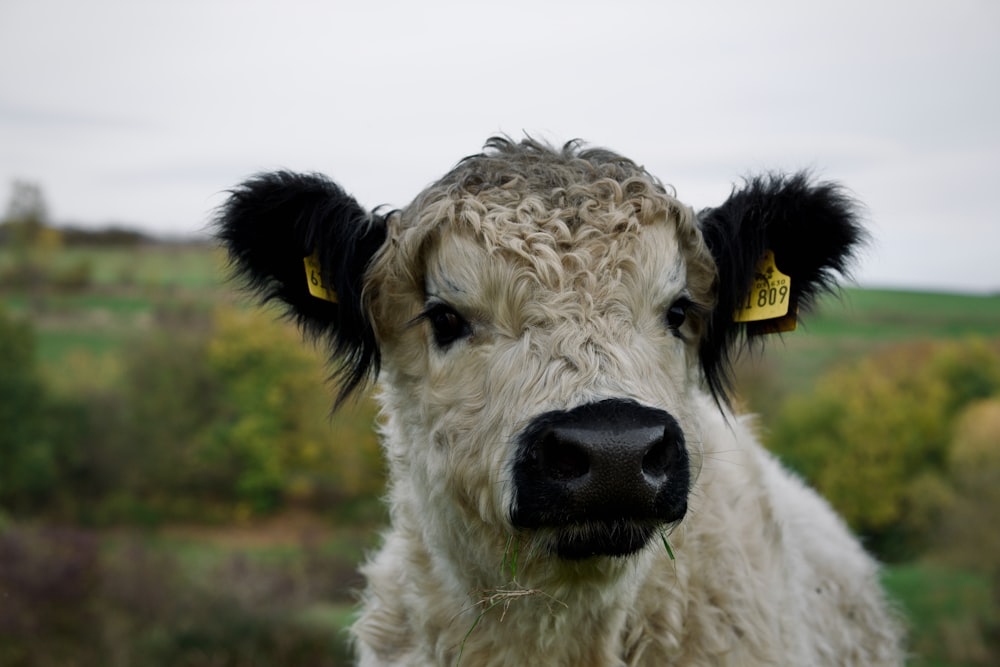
point(964, 533)
point(28, 470)
point(209, 415)
point(49, 578)
point(874, 436)
point(73, 599)
point(225, 416)
point(273, 424)
point(74, 278)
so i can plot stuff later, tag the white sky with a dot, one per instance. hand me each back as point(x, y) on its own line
point(143, 112)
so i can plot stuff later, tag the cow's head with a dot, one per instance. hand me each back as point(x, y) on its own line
point(547, 324)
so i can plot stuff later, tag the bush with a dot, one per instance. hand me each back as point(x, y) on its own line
point(274, 424)
point(223, 415)
point(962, 532)
point(29, 450)
point(211, 415)
point(74, 278)
point(73, 599)
point(952, 617)
point(49, 578)
point(874, 437)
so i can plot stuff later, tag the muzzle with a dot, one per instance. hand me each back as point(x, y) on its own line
point(605, 476)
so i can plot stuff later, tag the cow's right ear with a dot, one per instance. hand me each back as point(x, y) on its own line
point(301, 240)
point(812, 231)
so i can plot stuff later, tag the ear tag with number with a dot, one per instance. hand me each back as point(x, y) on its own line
point(768, 306)
point(314, 278)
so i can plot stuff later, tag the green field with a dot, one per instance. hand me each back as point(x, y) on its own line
point(886, 315)
point(122, 291)
point(159, 265)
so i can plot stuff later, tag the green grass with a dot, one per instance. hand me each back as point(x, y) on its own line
point(951, 613)
point(163, 265)
point(97, 323)
point(115, 303)
point(882, 315)
point(332, 618)
point(56, 345)
point(200, 553)
point(123, 289)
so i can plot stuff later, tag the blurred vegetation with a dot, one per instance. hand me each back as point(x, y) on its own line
point(214, 415)
point(139, 397)
point(75, 597)
point(875, 437)
point(161, 442)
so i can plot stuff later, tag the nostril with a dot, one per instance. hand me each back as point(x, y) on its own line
point(563, 459)
point(658, 459)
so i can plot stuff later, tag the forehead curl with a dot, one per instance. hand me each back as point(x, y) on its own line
point(520, 190)
point(553, 210)
point(515, 194)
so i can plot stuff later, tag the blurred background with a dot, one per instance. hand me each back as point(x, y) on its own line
point(173, 490)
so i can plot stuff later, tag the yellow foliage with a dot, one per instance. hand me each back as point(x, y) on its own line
point(873, 436)
point(279, 405)
point(49, 239)
point(966, 534)
point(976, 443)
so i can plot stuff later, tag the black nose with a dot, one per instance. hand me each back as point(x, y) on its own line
point(614, 463)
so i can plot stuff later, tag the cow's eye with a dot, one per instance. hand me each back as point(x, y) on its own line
point(446, 325)
point(677, 313)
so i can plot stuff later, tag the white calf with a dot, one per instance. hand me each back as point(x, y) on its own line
point(551, 331)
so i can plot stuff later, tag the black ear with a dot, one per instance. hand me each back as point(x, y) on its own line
point(813, 231)
point(271, 223)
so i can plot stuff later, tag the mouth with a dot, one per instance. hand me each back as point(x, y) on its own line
point(614, 538)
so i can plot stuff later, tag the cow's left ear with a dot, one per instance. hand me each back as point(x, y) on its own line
point(813, 231)
point(301, 240)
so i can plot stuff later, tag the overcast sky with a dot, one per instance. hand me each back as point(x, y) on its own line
point(143, 113)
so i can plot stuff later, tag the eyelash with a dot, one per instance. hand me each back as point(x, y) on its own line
point(447, 325)
point(677, 314)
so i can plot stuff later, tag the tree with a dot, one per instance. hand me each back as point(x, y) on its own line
point(26, 215)
point(964, 532)
point(27, 465)
point(25, 230)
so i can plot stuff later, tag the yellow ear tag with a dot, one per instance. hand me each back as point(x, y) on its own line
point(769, 301)
point(314, 278)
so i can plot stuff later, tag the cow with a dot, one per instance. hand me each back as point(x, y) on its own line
point(552, 335)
